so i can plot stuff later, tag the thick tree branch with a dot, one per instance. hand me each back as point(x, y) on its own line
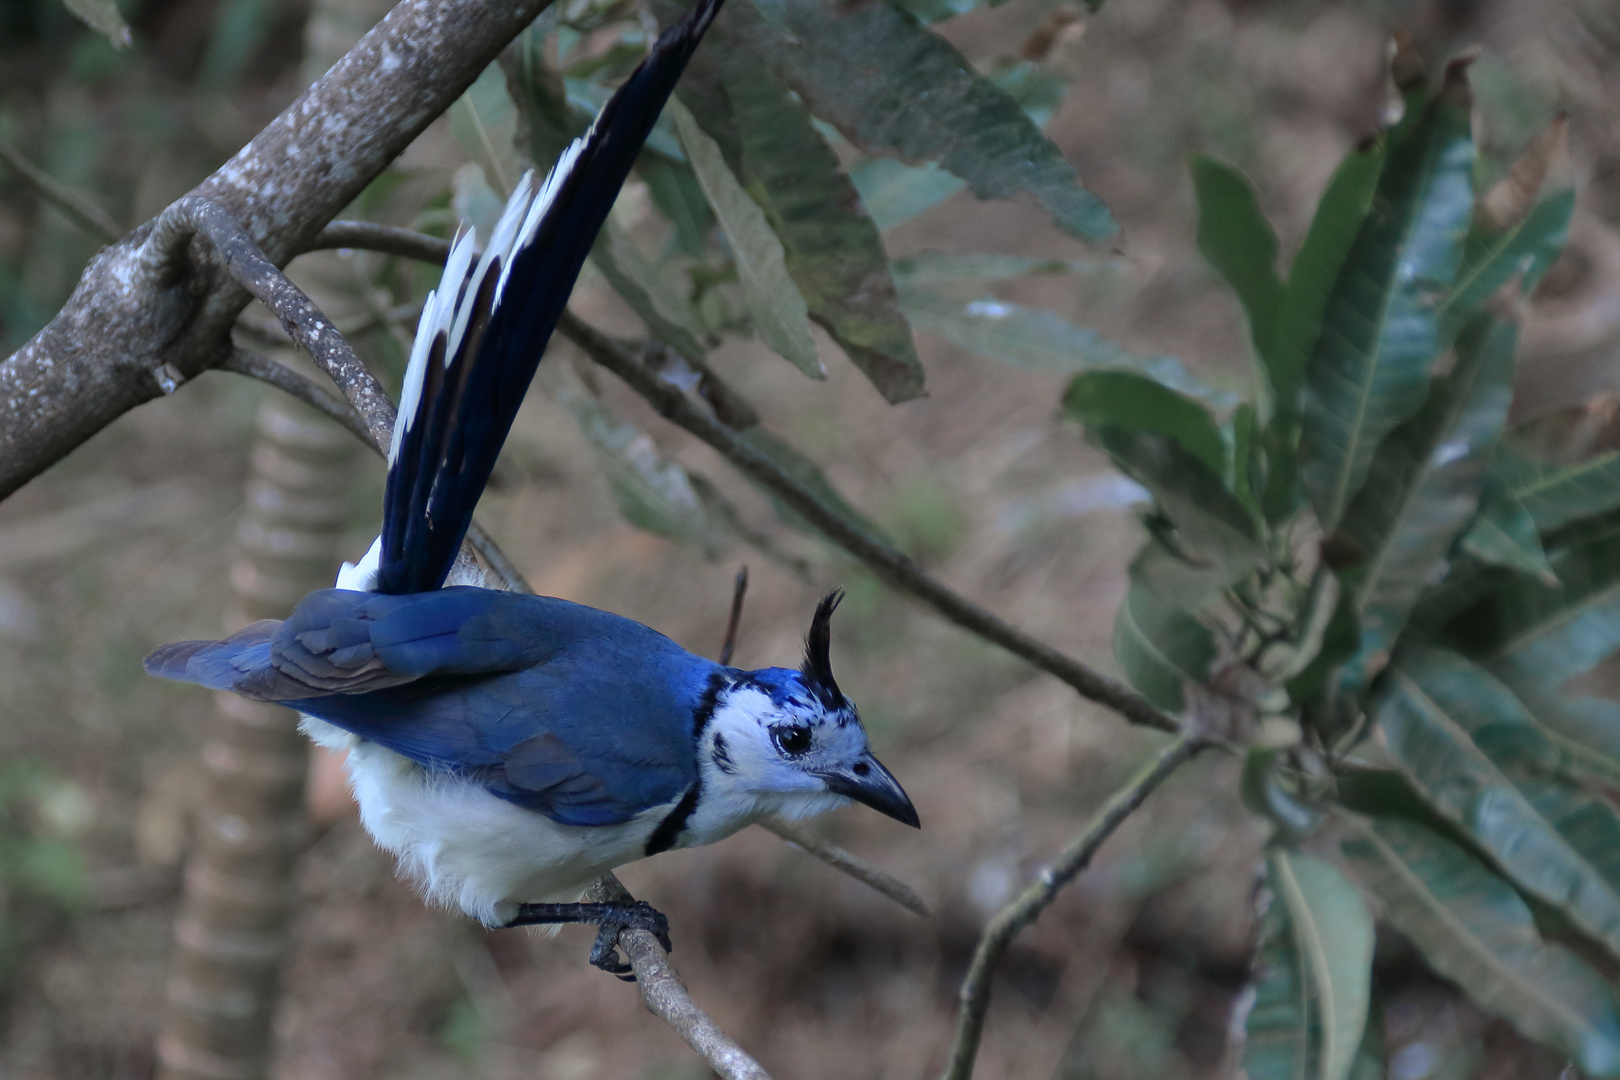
point(119, 341)
point(1026, 907)
point(666, 996)
point(84, 213)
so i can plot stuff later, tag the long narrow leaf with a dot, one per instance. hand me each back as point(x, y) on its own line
point(1473, 929)
point(1333, 934)
point(1160, 647)
point(1380, 330)
point(1554, 493)
point(1237, 240)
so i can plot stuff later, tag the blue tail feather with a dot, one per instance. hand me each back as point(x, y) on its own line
point(482, 336)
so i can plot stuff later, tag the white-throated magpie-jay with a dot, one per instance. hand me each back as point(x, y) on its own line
point(510, 749)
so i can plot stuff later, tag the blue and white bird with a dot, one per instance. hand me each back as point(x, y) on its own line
point(510, 749)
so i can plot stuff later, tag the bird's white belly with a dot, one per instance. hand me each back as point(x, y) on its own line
point(467, 848)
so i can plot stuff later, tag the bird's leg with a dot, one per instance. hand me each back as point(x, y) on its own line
point(613, 917)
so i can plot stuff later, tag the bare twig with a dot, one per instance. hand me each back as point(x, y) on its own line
point(84, 213)
point(739, 592)
point(267, 333)
point(387, 239)
point(496, 559)
point(857, 868)
point(162, 261)
point(898, 569)
point(1026, 907)
point(666, 996)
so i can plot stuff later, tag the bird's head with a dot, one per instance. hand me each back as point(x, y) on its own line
point(794, 742)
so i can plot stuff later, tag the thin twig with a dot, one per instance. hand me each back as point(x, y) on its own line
point(1026, 907)
point(84, 213)
point(387, 239)
point(898, 569)
point(739, 592)
point(666, 996)
point(857, 868)
point(162, 260)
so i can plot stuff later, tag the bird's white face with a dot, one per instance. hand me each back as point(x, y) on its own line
point(774, 738)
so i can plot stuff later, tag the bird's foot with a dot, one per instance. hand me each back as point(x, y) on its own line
point(614, 918)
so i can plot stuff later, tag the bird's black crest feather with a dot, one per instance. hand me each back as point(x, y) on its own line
point(817, 666)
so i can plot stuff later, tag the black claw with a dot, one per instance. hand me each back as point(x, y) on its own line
point(612, 918)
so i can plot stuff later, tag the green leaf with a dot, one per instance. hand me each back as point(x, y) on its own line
point(1473, 929)
point(1238, 241)
point(1212, 525)
point(548, 123)
point(1525, 250)
point(679, 197)
point(1333, 939)
point(778, 308)
point(1339, 217)
point(1533, 633)
point(1504, 534)
point(832, 248)
point(653, 492)
point(918, 270)
point(102, 16)
point(1380, 329)
point(1160, 647)
point(485, 123)
point(808, 474)
point(1424, 483)
point(1263, 792)
point(1033, 338)
point(1459, 735)
point(1556, 493)
point(1125, 399)
point(894, 192)
point(1279, 1032)
point(645, 288)
point(894, 88)
point(1584, 730)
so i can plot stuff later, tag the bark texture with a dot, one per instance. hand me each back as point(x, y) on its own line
point(127, 335)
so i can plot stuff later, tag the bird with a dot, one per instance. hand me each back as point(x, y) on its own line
point(509, 749)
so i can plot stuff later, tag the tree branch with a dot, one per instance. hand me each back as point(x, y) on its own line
point(841, 860)
point(118, 343)
point(387, 239)
point(666, 996)
point(1026, 907)
point(84, 213)
point(898, 569)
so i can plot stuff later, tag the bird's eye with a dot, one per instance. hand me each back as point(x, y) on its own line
point(792, 740)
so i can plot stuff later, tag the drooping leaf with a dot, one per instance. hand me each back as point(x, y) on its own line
point(919, 270)
point(1473, 929)
point(654, 493)
point(778, 308)
point(894, 191)
point(646, 289)
point(679, 197)
point(485, 123)
point(1459, 735)
point(1160, 647)
point(1031, 337)
point(1333, 940)
point(547, 122)
point(1339, 216)
point(1519, 229)
point(1534, 633)
point(102, 16)
point(1584, 730)
point(807, 473)
point(1210, 522)
point(1504, 534)
point(1557, 494)
point(1279, 1031)
point(1380, 330)
point(1424, 483)
point(894, 88)
point(832, 248)
point(1237, 240)
point(1126, 399)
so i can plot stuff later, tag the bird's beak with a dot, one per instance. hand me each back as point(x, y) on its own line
point(867, 781)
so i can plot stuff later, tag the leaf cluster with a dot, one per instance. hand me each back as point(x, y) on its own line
point(1386, 594)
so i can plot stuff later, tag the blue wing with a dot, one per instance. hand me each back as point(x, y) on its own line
point(481, 337)
point(576, 713)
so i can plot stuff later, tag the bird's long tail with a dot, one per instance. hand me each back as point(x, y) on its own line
point(484, 329)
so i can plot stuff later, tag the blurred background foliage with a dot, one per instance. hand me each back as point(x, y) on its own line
point(1134, 973)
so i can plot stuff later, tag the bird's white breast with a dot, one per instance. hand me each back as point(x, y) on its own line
point(467, 848)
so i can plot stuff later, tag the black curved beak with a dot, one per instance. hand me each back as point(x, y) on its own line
point(867, 781)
